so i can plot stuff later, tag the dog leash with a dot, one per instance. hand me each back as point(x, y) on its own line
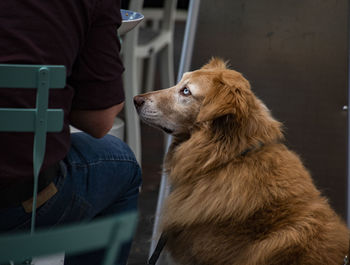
point(156, 253)
point(346, 259)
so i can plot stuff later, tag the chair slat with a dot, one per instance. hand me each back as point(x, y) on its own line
point(40, 128)
point(72, 239)
point(25, 76)
point(23, 120)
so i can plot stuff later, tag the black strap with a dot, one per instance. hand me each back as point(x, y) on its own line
point(346, 259)
point(156, 253)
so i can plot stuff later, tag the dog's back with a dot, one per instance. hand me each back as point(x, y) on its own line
point(269, 213)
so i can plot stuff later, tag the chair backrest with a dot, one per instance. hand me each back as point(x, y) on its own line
point(40, 119)
point(109, 233)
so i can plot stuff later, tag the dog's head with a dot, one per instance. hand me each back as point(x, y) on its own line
point(213, 97)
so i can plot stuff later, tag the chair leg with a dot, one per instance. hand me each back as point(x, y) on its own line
point(151, 67)
point(164, 191)
point(133, 131)
point(140, 75)
point(133, 134)
point(167, 65)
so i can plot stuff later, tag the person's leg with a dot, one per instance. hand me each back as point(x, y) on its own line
point(104, 172)
point(108, 177)
point(99, 177)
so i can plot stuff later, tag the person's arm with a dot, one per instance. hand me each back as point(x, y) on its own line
point(97, 123)
point(97, 73)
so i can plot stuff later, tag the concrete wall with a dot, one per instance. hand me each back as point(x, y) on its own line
point(295, 55)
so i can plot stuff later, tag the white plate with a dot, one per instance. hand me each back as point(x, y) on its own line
point(129, 20)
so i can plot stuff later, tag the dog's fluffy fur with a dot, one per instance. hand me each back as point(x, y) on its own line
point(239, 196)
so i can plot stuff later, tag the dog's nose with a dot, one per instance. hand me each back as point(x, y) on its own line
point(139, 101)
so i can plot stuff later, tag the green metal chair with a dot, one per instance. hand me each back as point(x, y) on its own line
point(109, 233)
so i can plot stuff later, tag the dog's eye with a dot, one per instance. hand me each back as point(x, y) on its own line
point(185, 91)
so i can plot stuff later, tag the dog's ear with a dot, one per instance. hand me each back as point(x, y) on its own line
point(215, 63)
point(231, 105)
point(227, 96)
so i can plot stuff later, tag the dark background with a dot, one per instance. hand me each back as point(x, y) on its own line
point(295, 55)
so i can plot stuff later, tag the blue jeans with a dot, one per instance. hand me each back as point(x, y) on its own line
point(100, 177)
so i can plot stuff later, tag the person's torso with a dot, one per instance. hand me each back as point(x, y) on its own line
point(39, 32)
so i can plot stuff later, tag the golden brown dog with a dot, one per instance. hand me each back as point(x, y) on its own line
point(239, 196)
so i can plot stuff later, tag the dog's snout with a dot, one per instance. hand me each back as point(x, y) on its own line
point(139, 101)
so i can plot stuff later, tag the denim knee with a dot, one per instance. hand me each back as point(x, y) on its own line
point(119, 147)
point(122, 151)
point(87, 149)
point(102, 169)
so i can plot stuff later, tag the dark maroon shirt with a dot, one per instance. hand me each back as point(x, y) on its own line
point(80, 34)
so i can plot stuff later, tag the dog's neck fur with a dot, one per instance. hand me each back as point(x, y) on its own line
point(215, 143)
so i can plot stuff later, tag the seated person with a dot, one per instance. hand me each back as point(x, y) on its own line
point(86, 175)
